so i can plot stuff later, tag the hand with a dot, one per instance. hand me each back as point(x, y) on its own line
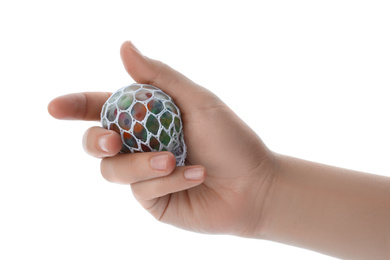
point(237, 164)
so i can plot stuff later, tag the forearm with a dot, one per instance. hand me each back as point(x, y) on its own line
point(335, 211)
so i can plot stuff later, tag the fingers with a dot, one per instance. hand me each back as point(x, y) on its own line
point(87, 106)
point(131, 168)
point(181, 179)
point(151, 175)
point(79, 106)
point(145, 70)
point(148, 71)
point(101, 143)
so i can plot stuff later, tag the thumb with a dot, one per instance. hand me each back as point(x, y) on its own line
point(145, 70)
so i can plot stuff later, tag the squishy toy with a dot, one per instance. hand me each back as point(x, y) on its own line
point(147, 120)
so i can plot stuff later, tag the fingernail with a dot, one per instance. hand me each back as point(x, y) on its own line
point(103, 143)
point(194, 174)
point(133, 46)
point(159, 162)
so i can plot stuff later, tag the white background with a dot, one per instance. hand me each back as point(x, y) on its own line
point(310, 77)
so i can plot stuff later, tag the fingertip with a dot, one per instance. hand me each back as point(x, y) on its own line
point(51, 108)
point(128, 53)
point(171, 162)
point(136, 64)
point(78, 106)
point(108, 144)
point(114, 143)
point(56, 109)
point(128, 45)
point(195, 173)
point(162, 161)
point(99, 142)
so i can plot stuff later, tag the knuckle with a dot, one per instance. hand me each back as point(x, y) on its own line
point(119, 169)
point(163, 181)
point(138, 192)
point(145, 191)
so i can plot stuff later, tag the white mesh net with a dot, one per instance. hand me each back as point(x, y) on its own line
point(147, 120)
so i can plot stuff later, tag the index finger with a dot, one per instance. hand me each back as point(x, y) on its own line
point(78, 106)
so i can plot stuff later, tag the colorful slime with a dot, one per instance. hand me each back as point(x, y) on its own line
point(147, 120)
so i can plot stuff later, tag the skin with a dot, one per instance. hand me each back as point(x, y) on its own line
point(238, 187)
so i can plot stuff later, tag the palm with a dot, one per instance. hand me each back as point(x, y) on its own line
point(219, 201)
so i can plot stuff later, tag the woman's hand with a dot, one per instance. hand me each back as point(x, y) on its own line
point(228, 169)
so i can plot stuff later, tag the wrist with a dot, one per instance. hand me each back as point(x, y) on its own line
point(277, 198)
point(263, 187)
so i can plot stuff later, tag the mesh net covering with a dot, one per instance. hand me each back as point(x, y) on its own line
point(147, 120)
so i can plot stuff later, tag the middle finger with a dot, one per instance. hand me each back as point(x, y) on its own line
point(131, 168)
